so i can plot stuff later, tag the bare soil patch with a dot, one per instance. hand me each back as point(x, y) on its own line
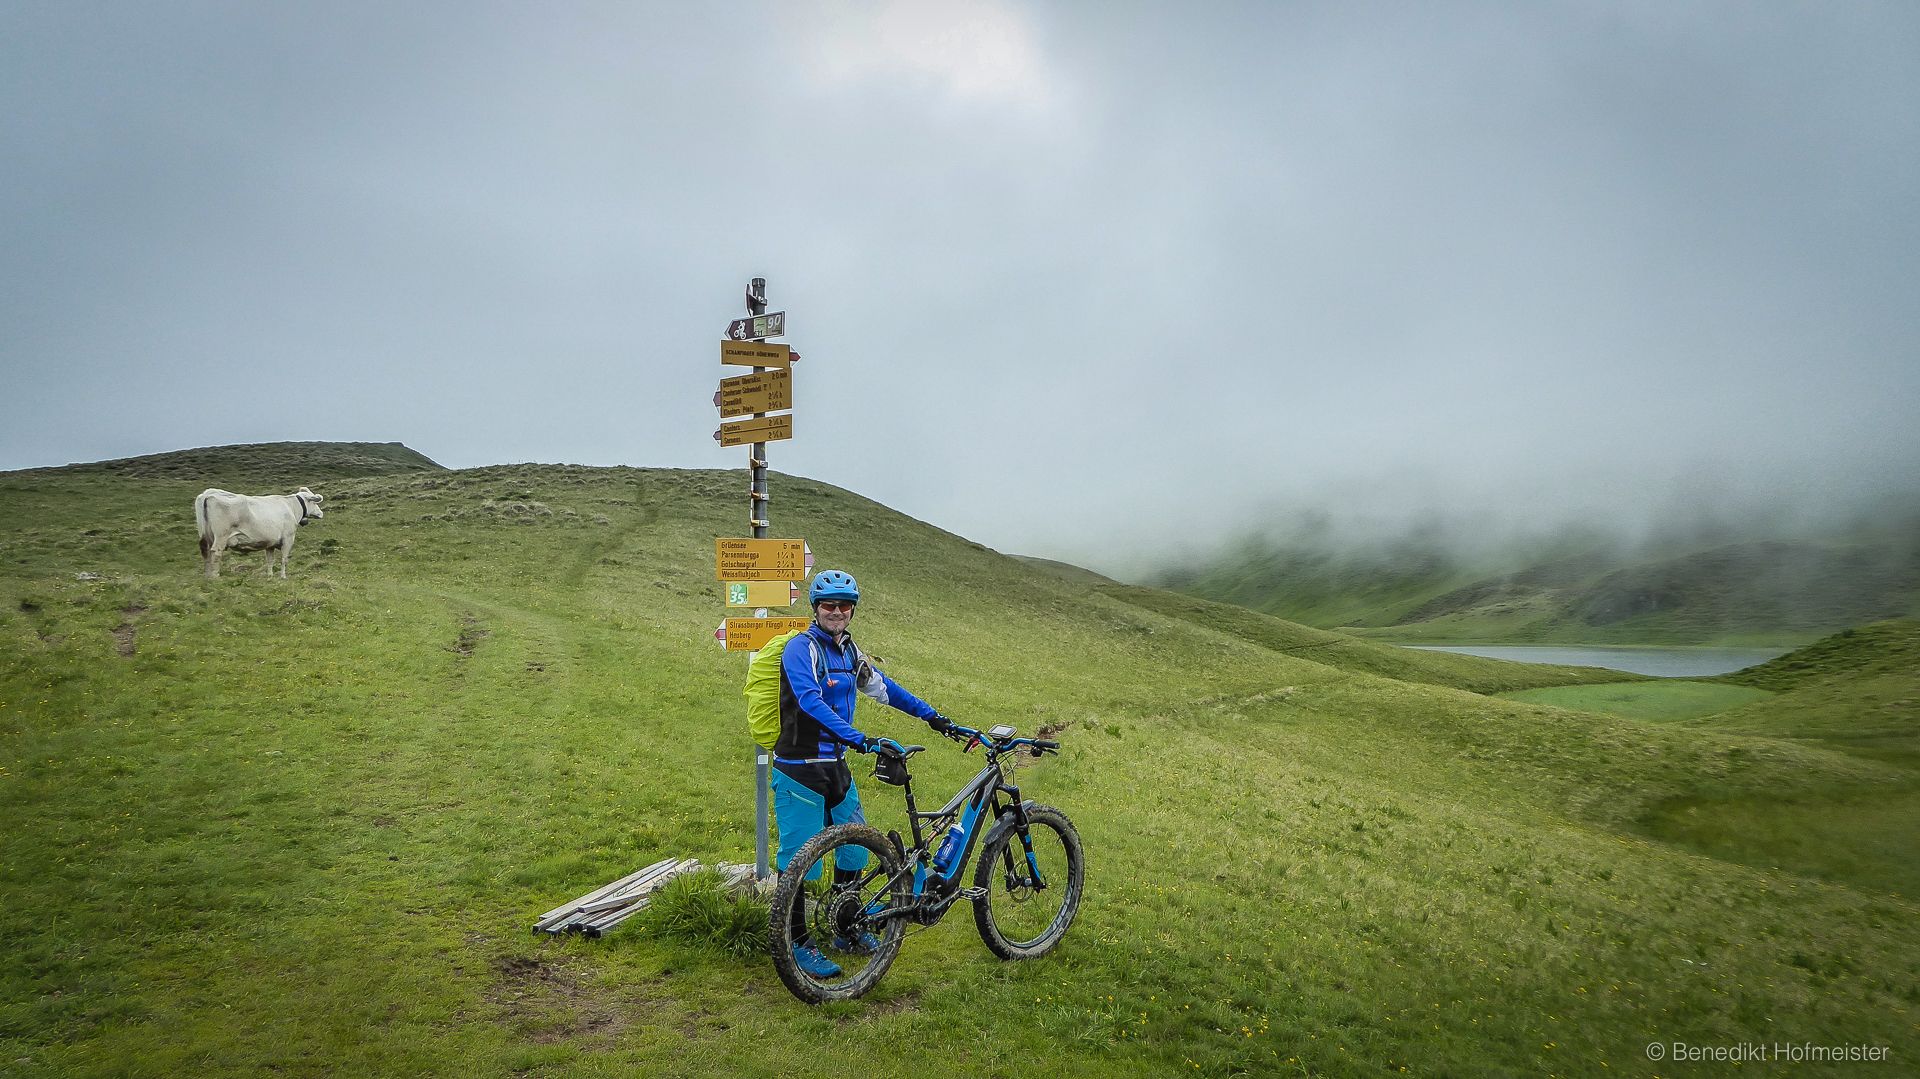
point(124, 633)
point(471, 634)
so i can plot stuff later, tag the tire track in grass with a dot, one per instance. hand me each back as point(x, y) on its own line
point(646, 508)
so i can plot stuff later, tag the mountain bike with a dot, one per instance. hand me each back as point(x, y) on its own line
point(852, 892)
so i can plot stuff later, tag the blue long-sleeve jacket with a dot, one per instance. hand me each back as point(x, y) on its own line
point(816, 715)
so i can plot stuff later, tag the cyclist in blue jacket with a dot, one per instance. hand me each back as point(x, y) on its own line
point(821, 673)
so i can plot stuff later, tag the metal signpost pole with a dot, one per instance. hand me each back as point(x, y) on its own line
point(757, 516)
point(760, 571)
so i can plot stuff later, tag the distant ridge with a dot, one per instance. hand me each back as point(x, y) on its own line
point(272, 463)
point(1066, 571)
point(1768, 591)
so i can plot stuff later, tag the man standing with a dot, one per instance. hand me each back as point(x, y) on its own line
point(821, 673)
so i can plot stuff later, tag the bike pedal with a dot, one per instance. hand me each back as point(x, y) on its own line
point(971, 893)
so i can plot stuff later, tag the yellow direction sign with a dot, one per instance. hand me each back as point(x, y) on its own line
point(747, 432)
point(766, 391)
point(761, 559)
point(752, 634)
point(755, 354)
point(762, 593)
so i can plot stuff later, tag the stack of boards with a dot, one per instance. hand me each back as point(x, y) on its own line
point(598, 911)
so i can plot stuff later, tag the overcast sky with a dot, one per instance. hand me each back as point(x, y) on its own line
point(1073, 279)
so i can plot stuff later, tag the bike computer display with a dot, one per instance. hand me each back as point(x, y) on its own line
point(1002, 731)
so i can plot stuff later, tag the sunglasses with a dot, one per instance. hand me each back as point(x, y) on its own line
point(834, 605)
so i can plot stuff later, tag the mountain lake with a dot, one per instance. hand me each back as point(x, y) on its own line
point(1664, 662)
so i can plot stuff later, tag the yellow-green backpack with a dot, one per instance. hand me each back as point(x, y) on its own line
point(763, 688)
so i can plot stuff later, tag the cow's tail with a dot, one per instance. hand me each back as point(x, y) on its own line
point(206, 528)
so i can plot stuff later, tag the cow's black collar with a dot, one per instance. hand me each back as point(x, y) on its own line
point(302, 499)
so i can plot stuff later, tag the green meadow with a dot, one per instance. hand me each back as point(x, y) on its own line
point(1654, 699)
point(304, 827)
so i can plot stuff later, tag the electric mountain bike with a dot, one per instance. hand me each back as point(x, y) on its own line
point(852, 893)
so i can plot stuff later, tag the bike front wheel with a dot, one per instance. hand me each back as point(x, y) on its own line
point(830, 936)
point(1026, 905)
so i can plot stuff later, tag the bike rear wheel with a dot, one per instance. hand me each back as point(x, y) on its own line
point(838, 917)
point(1022, 915)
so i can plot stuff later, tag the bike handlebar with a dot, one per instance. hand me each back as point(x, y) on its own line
point(970, 736)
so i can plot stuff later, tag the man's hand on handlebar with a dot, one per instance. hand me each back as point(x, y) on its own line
point(885, 747)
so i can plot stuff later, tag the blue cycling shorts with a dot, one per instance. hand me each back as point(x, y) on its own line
point(800, 812)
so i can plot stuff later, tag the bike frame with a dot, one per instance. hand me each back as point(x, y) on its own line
point(934, 891)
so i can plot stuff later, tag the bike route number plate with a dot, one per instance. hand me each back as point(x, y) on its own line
point(762, 593)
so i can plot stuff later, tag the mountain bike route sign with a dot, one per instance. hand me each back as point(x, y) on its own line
point(752, 329)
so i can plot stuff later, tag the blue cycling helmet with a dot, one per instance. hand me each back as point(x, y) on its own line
point(833, 584)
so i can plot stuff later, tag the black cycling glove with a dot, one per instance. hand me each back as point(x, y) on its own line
point(885, 747)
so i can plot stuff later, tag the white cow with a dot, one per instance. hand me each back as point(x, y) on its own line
point(231, 522)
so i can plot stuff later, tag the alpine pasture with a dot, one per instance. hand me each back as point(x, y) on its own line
point(303, 827)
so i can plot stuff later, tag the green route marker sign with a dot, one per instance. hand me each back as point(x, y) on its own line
point(762, 593)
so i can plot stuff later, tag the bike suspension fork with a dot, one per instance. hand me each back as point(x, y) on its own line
point(1023, 827)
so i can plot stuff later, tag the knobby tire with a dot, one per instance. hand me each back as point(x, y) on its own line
point(792, 888)
point(1062, 868)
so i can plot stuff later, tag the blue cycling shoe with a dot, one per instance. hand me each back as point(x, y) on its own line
point(813, 963)
point(861, 944)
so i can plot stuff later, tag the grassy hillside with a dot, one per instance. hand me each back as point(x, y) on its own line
point(303, 827)
point(1730, 592)
point(1323, 583)
point(1857, 693)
